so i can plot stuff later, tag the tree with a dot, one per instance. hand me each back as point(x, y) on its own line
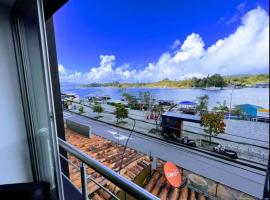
point(66, 104)
point(158, 110)
point(222, 107)
point(202, 106)
point(217, 81)
point(81, 109)
point(128, 97)
point(132, 101)
point(148, 99)
point(120, 112)
point(213, 124)
point(98, 108)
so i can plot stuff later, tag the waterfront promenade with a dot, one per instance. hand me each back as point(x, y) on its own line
point(248, 148)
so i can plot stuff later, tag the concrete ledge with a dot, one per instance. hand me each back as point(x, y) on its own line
point(79, 128)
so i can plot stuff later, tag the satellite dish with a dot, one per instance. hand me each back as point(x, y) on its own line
point(173, 174)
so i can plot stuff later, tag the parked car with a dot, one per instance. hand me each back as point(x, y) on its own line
point(221, 150)
point(190, 142)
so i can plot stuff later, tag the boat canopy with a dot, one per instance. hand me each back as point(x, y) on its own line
point(187, 103)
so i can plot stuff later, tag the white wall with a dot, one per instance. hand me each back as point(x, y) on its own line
point(14, 153)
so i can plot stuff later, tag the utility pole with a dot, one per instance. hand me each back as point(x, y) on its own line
point(231, 102)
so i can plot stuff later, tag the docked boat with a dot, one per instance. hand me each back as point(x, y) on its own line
point(187, 107)
point(212, 88)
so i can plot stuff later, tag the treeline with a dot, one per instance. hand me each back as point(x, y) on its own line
point(215, 80)
point(247, 80)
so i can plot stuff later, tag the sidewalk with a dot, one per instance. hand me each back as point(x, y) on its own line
point(143, 126)
point(107, 116)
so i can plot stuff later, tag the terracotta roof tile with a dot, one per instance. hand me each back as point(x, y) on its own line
point(159, 187)
point(111, 155)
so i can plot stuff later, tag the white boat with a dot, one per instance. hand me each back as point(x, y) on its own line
point(212, 88)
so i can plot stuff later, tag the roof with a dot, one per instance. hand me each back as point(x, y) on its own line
point(183, 117)
point(108, 153)
point(249, 105)
point(160, 187)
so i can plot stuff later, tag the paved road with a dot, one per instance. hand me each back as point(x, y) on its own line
point(240, 177)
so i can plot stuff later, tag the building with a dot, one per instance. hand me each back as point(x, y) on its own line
point(172, 122)
point(254, 112)
point(249, 109)
point(262, 85)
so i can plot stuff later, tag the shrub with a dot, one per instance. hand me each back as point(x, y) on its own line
point(98, 108)
point(81, 109)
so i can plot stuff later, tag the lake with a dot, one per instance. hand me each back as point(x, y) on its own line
point(257, 96)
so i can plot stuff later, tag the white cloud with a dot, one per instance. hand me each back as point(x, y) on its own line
point(244, 51)
point(191, 48)
point(61, 69)
point(104, 71)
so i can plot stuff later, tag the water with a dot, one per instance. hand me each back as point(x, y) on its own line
point(257, 96)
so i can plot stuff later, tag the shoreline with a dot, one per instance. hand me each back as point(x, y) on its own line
point(147, 87)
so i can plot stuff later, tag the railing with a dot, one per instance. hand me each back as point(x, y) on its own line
point(120, 181)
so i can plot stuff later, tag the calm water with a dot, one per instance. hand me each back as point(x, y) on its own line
point(257, 96)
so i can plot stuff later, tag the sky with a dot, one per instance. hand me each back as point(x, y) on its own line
point(150, 40)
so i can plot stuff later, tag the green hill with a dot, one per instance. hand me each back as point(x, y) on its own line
point(214, 80)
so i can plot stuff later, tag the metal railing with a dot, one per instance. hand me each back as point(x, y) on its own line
point(120, 181)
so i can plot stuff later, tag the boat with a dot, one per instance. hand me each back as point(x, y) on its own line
point(165, 102)
point(212, 88)
point(187, 107)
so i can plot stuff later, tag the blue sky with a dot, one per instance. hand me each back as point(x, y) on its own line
point(133, 34)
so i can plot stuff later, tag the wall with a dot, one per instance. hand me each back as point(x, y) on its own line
point(14, 153)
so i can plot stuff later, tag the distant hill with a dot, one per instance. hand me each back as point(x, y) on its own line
point(214, 80)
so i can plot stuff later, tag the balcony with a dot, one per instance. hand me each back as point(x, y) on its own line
point(115, 178)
